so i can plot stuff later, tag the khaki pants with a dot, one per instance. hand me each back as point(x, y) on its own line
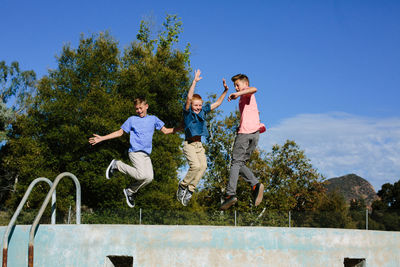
point(196, 157)
point(141, 169)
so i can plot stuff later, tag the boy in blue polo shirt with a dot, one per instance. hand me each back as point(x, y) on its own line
point(194, 114)
point(141, 130)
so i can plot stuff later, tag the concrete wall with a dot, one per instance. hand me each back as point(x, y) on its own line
point(89, 245)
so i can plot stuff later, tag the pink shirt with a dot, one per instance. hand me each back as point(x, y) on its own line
point(249, 115)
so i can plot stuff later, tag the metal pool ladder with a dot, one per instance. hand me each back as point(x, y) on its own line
point(43, 207)
point(18, 211)
point(51, 194)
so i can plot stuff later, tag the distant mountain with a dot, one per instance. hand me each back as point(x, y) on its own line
point(352, 186)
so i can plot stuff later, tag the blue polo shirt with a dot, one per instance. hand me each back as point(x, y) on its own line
point(195, 124)
point(141, 132)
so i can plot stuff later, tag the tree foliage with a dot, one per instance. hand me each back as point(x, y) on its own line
point(386, 211)
point(290, 181)
point(48, 123)
point(16, 90)
point(293, 184)
point(92, 91)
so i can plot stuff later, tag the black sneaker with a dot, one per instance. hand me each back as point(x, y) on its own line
point(110, 169)
point(180, 193)
point(130, 198)
point(186, 198)
point(258, 192)
point(228, 202)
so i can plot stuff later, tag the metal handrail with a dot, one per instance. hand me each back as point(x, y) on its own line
point(17, 212)
point(43, 207)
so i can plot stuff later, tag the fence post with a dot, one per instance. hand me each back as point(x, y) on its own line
point(289, 218)
point(69, 215)
point(235, 217)
point(366, 219)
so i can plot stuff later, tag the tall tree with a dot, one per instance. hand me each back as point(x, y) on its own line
point(92, 91)
point(291, 183)
point(16, 90)
point(386, 210)
point(332, 211)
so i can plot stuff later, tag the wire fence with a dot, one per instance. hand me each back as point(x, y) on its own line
point(361, 219)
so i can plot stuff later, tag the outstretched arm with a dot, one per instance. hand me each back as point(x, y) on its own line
point(192, 87)
point(165, 130)
point(221, 97)
point(98, 138)
point(247, 91)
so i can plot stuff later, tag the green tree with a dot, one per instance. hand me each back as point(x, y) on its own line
point(17, 87)
point(293, 184)
point(357, 212)
point(92, 91)
point(386, 211)
point(332, 212)
point(290, 181)
point(16, 90)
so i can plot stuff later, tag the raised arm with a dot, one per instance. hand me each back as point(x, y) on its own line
point(221, 97)
point(247, 91)
point(192, 87)
point(98, 138)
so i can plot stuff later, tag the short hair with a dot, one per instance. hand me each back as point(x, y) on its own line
point(240, 77)
point(196, 97)
point(139, 100)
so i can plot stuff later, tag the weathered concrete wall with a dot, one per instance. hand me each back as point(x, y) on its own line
point(89, 245)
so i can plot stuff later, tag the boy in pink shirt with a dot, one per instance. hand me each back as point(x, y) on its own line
point(245, 142)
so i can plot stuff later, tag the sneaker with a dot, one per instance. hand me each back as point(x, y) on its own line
point(130, 198)
point(180, 193)
point(110, 169)
point(186, 198)
point(258, 192)
point(229, 201)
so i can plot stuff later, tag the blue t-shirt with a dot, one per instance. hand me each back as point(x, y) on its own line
point(141, 132)
point(195, 124)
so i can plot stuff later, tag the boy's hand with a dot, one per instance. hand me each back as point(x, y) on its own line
point(232, 96)
point(94, 140)
point(197, 76)
point(225, 86)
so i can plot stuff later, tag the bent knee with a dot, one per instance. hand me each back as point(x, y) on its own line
point(149, 178)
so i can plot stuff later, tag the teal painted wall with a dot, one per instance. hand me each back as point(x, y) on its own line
point(89, 245)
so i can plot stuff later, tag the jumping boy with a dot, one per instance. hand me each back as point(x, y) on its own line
point(194, 114)
point(245, 142)
point(141, 130)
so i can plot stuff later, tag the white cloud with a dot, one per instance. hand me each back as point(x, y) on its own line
point(341, 143)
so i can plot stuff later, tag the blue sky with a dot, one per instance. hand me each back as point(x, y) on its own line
point(327, 72)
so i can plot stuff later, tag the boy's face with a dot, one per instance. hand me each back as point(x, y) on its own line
point(197, 105)
point(141, 109)
point(240, 85)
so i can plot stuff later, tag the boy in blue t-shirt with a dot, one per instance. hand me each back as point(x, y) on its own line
point(141, 130)
point(194, 114)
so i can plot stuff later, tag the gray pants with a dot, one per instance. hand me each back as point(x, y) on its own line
point(243, 147)
point(141, 169)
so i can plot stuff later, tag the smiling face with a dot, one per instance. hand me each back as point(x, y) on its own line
point(141, 109)
point(197, 105)
point(240, 84)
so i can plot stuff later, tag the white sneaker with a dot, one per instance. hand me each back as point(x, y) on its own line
point(186, 198)
point(110, 169)
point(180, 193)
point(130, 198)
